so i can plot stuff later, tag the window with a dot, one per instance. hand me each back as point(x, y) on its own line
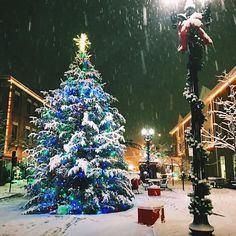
point(14, 131)
point(222, 166)
point(29, 105)
point(217, 107)
point(16, 100)
point(228, 91)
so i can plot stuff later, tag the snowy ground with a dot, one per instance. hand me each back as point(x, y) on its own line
point(16, 188)
point(123, 223)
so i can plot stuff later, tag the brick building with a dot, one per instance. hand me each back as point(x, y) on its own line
point(222, 162)
point(17, 104)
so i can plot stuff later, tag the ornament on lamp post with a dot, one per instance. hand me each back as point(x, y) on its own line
point(193, 39)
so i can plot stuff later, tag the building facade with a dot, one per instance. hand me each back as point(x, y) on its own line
point(17, 104)
point(222, 162)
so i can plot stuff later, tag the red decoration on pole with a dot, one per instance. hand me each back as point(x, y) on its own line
point(194, 21)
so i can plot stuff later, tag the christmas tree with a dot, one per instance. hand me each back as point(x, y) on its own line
point(77, 165)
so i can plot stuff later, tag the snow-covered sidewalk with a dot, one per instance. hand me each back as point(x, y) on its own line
point(17, 188)
point(123, 223)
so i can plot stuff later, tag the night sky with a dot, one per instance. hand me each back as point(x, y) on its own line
point(133, 47)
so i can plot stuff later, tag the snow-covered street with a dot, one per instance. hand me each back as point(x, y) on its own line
point(12, 222)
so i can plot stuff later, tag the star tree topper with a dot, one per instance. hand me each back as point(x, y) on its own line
point(82, 43)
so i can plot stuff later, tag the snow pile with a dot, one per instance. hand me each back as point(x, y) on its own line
point(123, 223)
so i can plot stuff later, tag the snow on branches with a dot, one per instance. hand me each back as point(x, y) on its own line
point(225, 125)
point(77, 166)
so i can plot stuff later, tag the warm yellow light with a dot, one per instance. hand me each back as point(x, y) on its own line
point(131, 167)
point(12, 81)
point(25, 89)
point(183, 122)
point(222, 86)
point(9, 108)
point(143, 131)
point(147, 131)
point(82, 42)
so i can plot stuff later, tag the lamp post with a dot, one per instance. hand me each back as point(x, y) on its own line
point(192, 39)
point(147, 134)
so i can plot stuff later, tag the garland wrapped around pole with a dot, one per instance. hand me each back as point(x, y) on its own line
point(193, 38)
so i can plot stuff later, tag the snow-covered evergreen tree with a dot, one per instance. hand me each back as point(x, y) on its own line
point(77, 165)
point(225, 125)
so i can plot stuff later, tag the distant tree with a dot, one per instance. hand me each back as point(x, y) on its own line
point(225, 125)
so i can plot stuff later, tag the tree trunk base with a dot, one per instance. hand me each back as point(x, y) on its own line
point(201, 226)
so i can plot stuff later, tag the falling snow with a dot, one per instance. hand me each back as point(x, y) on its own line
point(29, 26)
point(143, 63)
point(216, 64)
point(134, 46)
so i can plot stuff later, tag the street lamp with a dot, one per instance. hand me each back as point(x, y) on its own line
point(192, 39)
point(147, 134)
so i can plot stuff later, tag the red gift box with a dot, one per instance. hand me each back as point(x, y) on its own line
point(148, 213)
point(154, 191)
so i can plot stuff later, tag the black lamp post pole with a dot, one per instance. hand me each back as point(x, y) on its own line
point(200, 188)
point(147, 134)
point(200, 206)
point(148, 142)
